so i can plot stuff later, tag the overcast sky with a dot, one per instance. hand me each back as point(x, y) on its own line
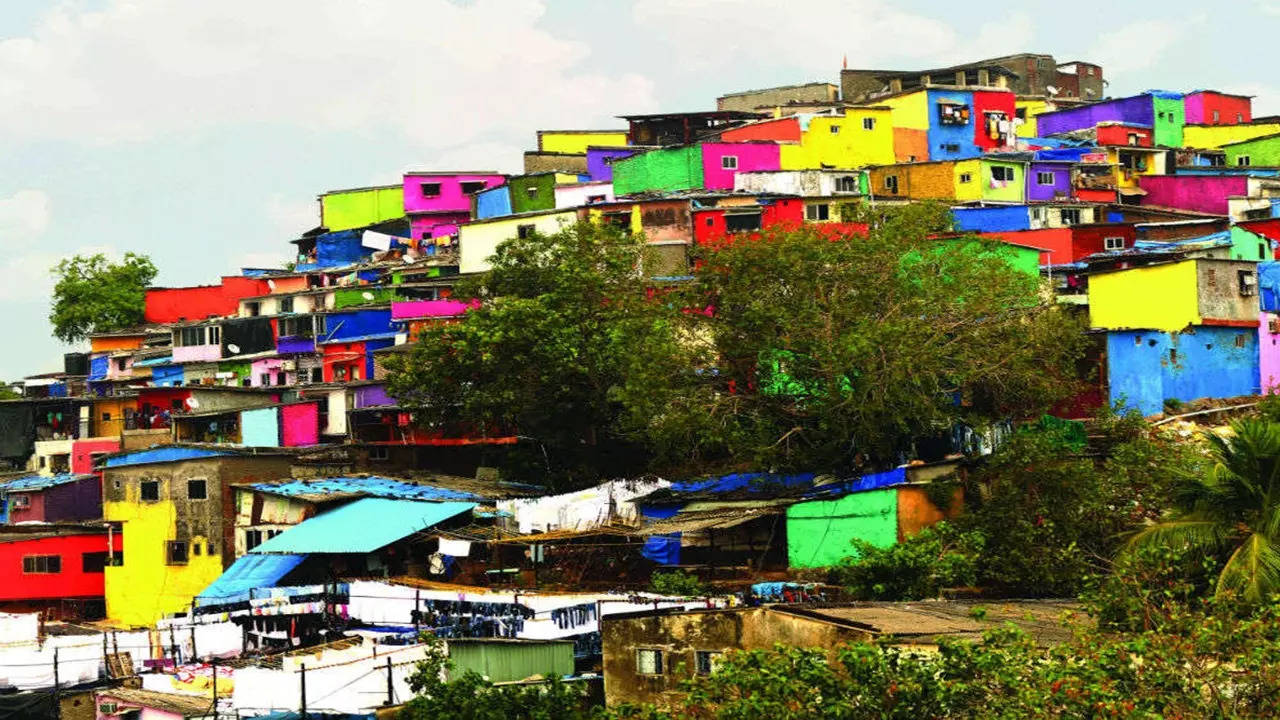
point(200, 132)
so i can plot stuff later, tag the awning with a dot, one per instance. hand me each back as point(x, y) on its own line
point(248, 573)
point(362, 526)
point(1131, 191)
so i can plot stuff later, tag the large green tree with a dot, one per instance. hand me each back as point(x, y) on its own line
point(93, 294)
point(837, 350)
point(1232, 510)
point(566, 338)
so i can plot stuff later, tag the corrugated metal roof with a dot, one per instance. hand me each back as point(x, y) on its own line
point(187, 706)
point(248, 573)
point(362, 526)
point(38, 482)
point(372, 486)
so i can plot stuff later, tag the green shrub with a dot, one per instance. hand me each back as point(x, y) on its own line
point(917, 568)
point(677, 582)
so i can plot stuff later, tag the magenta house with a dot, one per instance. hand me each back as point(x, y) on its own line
point(1201, 193)
point(721, 161)
point(438, 202)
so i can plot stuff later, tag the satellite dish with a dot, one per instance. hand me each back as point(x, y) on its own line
point(234, 348)
point(271, 284)
point(1051, 89)
point(193, 403)
point(366, 295)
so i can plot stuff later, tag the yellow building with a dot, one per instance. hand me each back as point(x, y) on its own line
point(1027, 108)
point(168, 503)
point(576, 142)
point(1209, 137)
point(1172, 296)
point(861, 136)
point(358, 207)
point(477, 241)
point(1131, 162)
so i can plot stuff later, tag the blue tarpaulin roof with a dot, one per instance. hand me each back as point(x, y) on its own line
point(745, 482)
point(161, 454)
point(152, 362)
point(248, 573)
point(362, 526)
point(1269, 285)
point(37, 482)
point(372, 486)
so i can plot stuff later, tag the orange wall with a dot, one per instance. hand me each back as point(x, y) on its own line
point(908, 142)
point(782, 130)
point(108, 344)
point(289, 284)
point(916, 513)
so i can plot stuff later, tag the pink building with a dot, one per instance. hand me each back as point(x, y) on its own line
point(300, 424)
point(1201, 193)
point(1269, 351)
point(266, 372)
point(721, 161)
point(437, 202)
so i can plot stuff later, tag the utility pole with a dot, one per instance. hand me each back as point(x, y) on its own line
point(303, 709)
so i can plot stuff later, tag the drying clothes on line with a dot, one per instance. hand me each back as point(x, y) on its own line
point(456, 548)
point(572, 617)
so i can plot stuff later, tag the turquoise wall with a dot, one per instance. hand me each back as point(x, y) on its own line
point(260, 428)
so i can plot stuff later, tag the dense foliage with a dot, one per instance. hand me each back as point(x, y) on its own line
point(938, 557)
point(565, 337)
point(93, 294)
point(798, 349)
point(677, 583)
point(1231, 511)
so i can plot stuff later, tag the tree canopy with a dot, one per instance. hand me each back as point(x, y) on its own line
point(93, 294)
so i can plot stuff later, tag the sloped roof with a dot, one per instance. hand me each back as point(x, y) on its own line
point(184, 705)
point(362, 526)
point(247, 573)
point(322, 489)
point(38, 482)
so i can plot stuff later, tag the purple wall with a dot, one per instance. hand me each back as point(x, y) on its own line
point(1202, 193)
point(1138, 109)
point(597, 168)
point(372, 396)
point(295, 345)
point(1061, 181)
point(79, 500)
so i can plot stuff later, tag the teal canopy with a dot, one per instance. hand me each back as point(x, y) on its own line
point(362, 526)
point(248, 573)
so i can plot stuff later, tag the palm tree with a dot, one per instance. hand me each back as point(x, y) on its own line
point(1235, 507)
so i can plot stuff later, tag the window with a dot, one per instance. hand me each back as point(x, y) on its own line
point(42, 564)
point(297, 326)
point(106, 417)
point(430, 189)
point(891, 184)
point(190, 336)
point(195, 548)
point(281, 378)
point(93, 562)
point(1160, 115)
point(947, 147)
point(1113, 243)
point(820, 211)
point(532, 192)
point(286, 305)
point(472, 186)
point(1240, 341)
point(742, 222)
point(120, 363)
point(706, 661)
point(175, 552)
point(1239, 117)
point(149, 490)
point(834, 129)
point(966, 178)
point(1001, 173)
point(253, 308)
point(1070, 216)
point(868, 123)
point(648, 662)
point(197, 489)
point(1173, 355)
point(1243, 160)
point(846, 183)
point(729, 162)
point(317, 375)
point(215, 335)
point(264, 379)
point(593, 199)
point(524, 231)
point(378, 453)
point(1044, 178)
point(1248, 282)
point(19, 501)
point(1215, 116)
point(1134, 138)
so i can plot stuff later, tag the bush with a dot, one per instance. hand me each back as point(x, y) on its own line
point(917, 568)
point(677, 582)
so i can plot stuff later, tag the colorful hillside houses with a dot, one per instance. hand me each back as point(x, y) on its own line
point(947, 123)
point(1160, 110)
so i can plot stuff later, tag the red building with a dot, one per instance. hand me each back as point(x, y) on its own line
point(55, 569)
point(1116, 133)
point(85, 452)
point(169, 305)
point(1071, 244)
point(710, 224)
point(785, 129)
point(992, 106)
point(1210, 107)
point(344, 361)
